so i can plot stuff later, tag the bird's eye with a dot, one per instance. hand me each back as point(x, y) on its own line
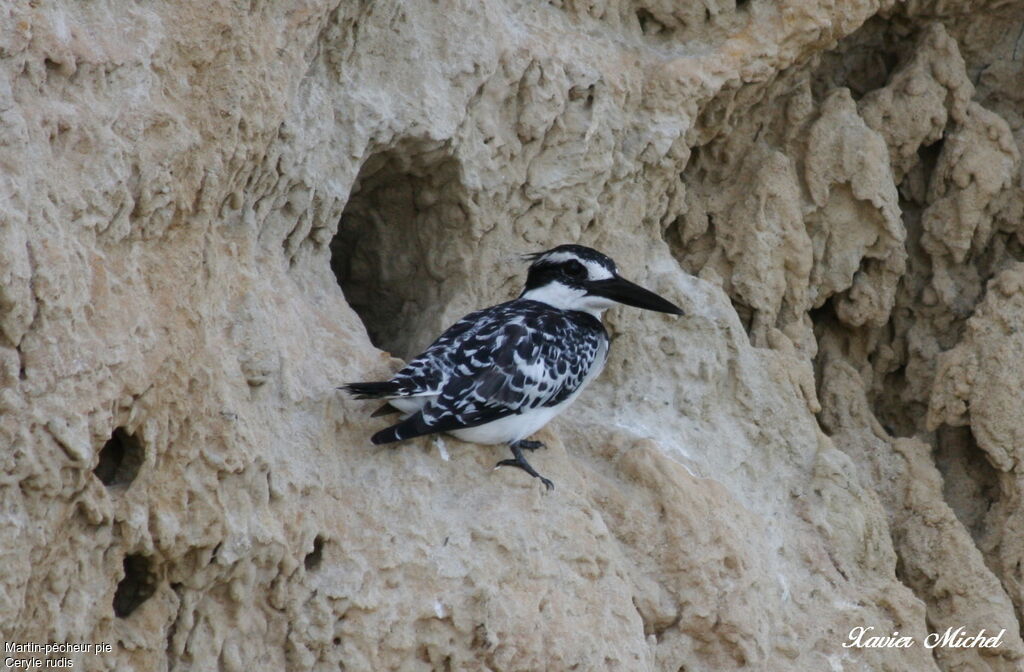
point(575, 270)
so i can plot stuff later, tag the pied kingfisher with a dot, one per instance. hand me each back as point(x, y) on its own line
point(500, 374)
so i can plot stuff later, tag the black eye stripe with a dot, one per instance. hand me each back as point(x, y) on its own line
point(574, 269)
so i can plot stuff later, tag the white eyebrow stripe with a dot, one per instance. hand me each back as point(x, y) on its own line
point(595, 270)
point(561, 257)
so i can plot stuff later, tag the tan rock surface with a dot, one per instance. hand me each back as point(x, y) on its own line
point(212, 214)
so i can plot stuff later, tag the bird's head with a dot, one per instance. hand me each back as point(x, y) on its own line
point(574, 277)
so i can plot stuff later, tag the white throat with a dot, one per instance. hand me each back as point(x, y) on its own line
point(563, 297)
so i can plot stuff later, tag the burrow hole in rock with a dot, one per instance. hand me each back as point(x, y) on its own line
point(649, 24)
point(316, 556)
point(137, 586)
point(402, 243)
point(120, 458)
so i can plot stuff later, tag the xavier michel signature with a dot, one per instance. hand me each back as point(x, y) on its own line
point(954, 638)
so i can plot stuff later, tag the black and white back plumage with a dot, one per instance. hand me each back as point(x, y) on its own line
point(500, 374)
point(504, 360)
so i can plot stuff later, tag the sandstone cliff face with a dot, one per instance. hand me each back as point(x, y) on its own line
point(214, 214)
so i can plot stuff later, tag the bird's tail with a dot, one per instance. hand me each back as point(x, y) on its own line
point(411, 427)
point(372, 390)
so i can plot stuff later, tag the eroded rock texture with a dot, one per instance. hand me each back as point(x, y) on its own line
point(212, 214)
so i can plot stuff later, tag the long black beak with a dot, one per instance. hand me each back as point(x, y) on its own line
point(624, 291)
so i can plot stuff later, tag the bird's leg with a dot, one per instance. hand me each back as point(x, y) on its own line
point(520, 461)
point(530, 445)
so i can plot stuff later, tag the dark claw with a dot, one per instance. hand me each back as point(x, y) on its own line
point(531, 445)
point(520, 462)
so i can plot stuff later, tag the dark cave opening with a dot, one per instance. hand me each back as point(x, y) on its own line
point(315, 556)
point(649, 24)
point(137, 586)
point(120, 459)
point(403, 226)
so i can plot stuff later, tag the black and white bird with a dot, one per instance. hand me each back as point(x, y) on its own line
point(500, 374)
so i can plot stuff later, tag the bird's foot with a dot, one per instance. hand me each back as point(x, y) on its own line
point(520, 462)
point(530, 445)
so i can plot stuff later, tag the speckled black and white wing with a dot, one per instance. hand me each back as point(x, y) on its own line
point(506, 360)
